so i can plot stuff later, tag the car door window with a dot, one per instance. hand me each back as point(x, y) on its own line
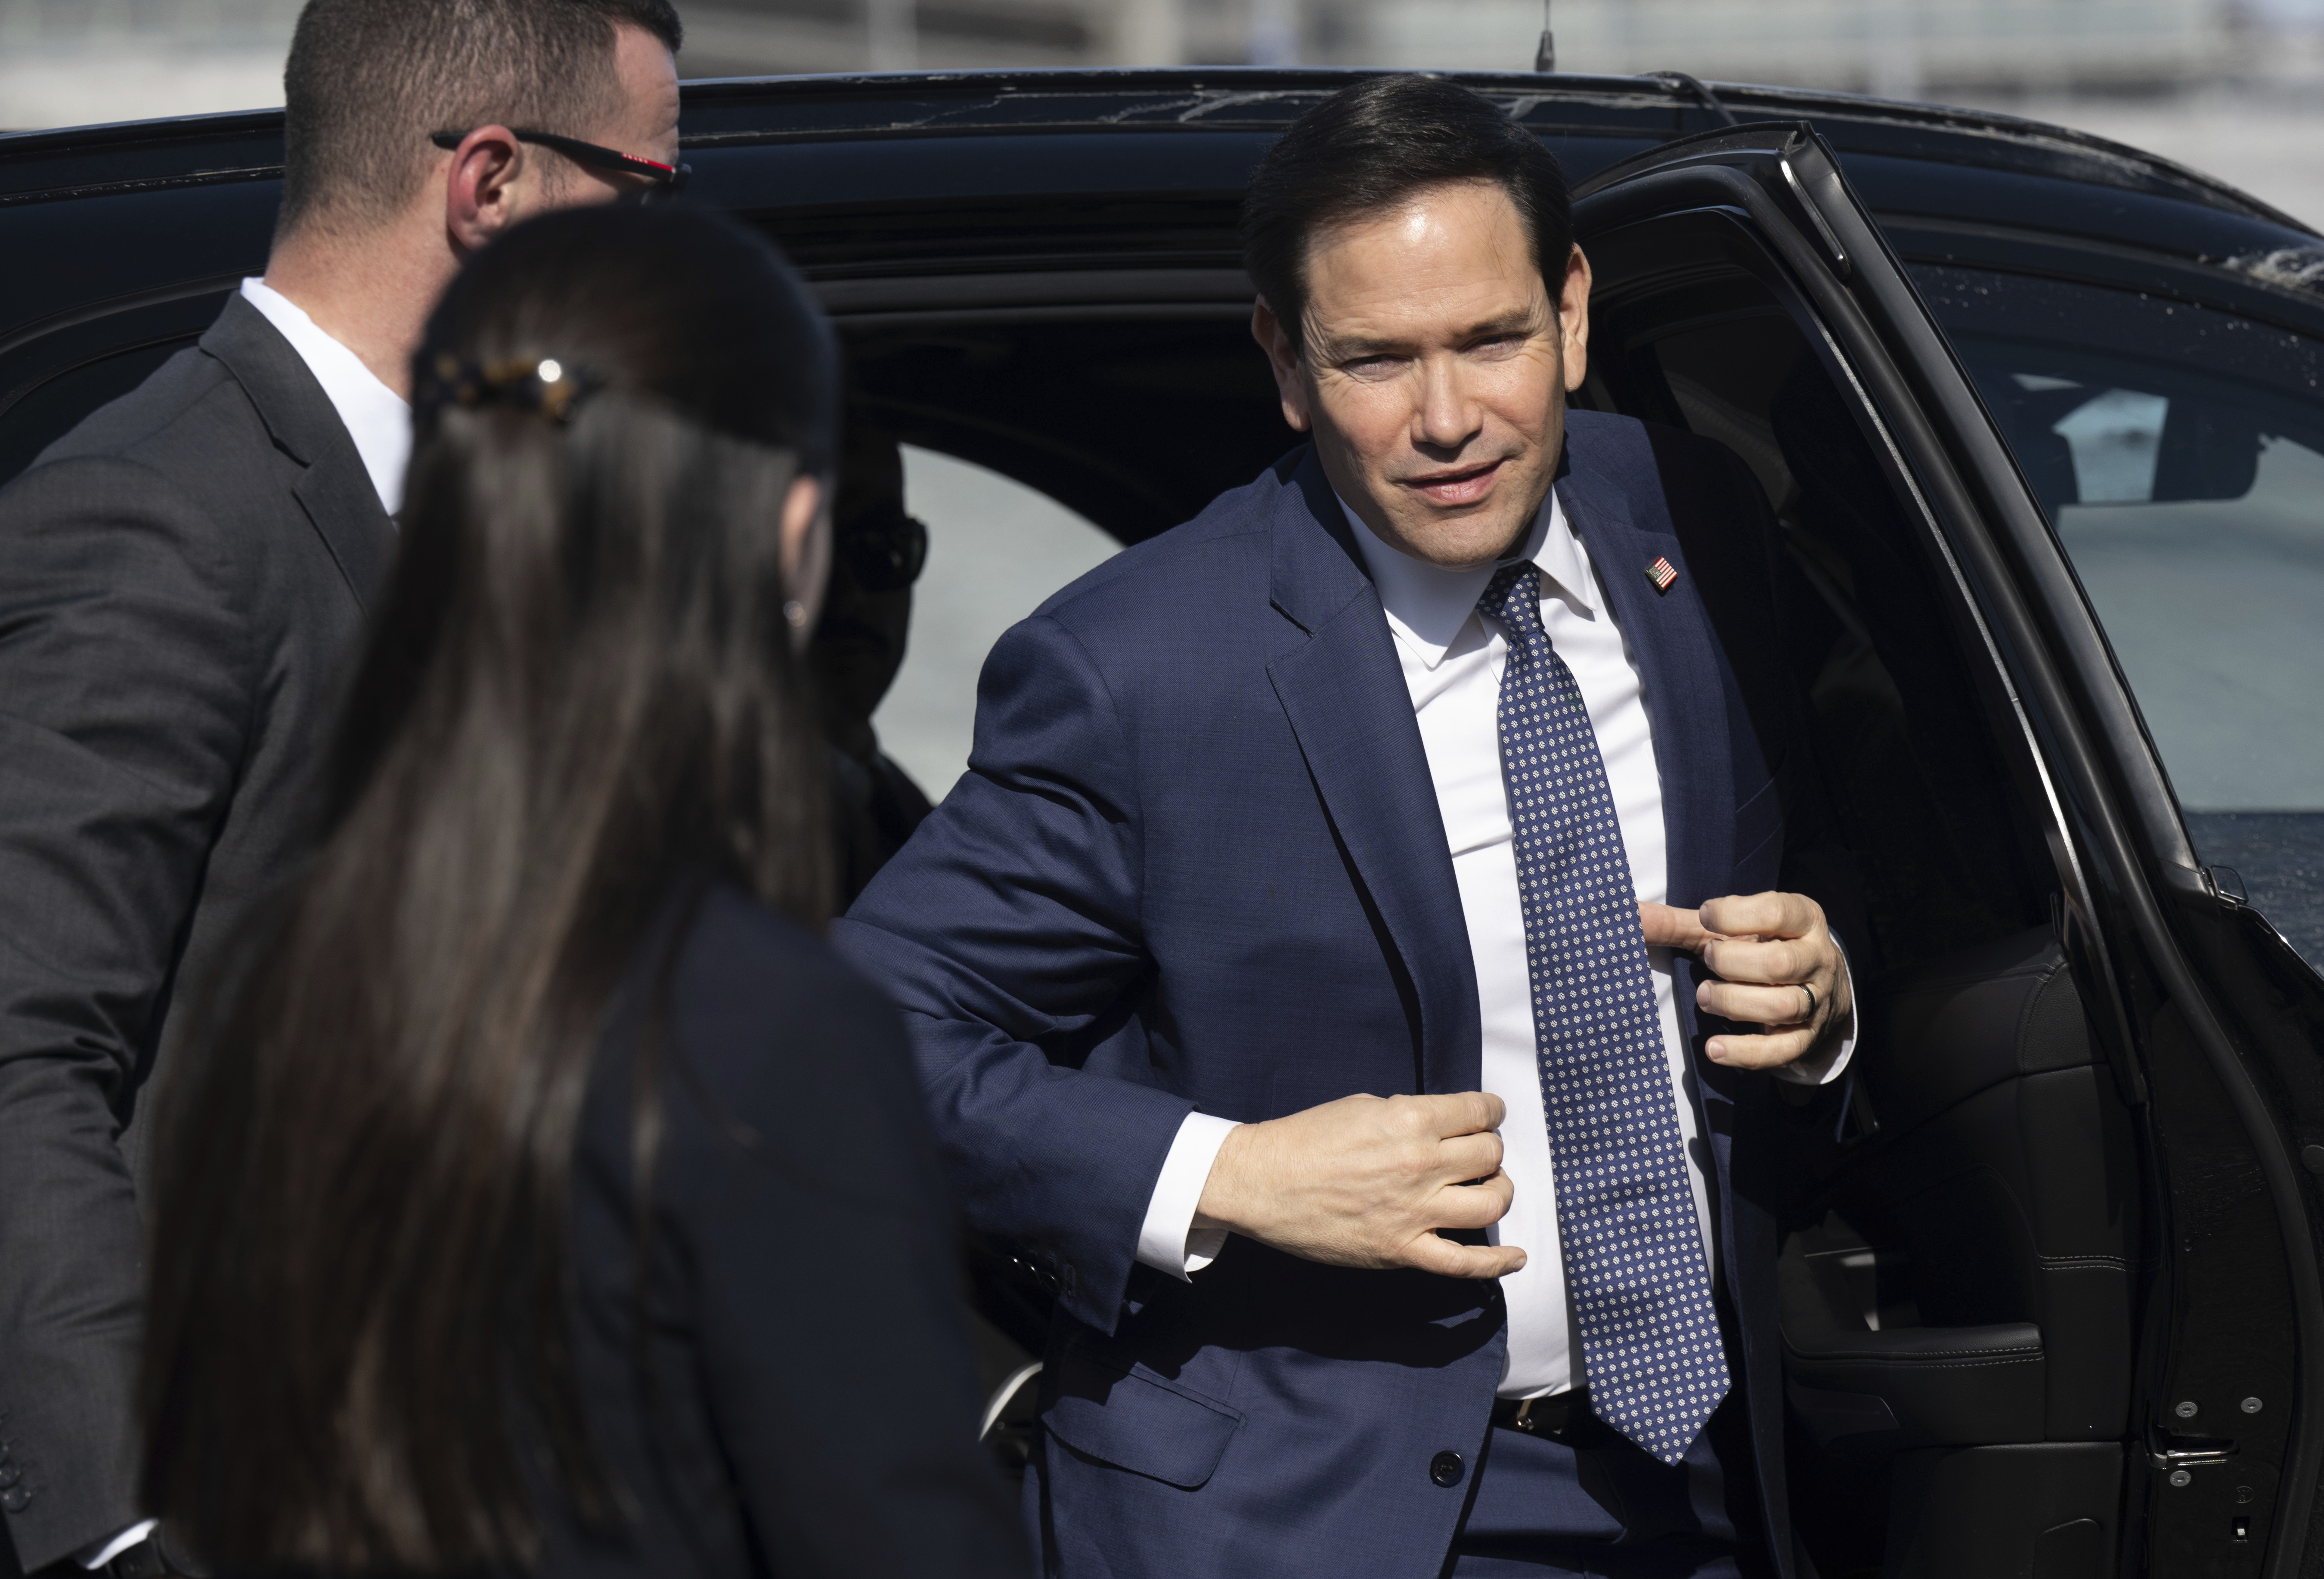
point(2179, 452)
point(996, 549)
point(1943, 1299)
point(1915, 784)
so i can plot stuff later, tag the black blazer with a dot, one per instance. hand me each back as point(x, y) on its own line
point(809, 1406)
point(180, 578)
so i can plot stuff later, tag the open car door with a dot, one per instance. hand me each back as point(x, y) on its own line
point(2053, 1306)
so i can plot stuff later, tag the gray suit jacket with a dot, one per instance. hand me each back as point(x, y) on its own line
point(180, 579)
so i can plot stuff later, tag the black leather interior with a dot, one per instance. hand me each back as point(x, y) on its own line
point(2042, 1509)
point(1971, 1021)
point(1933, 1385)
point(1964, 1280)
point(1956, 1293)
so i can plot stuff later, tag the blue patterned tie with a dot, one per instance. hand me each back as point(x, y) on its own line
point(1641, 1295)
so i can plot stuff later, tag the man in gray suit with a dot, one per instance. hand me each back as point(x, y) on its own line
point(180, 579)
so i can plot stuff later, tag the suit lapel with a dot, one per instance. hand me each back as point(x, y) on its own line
point(1614, 500)
point(1343, 692)
point(1670, 639)
point(344, 509)
point(336, 491)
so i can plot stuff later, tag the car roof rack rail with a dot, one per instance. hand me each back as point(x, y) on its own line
point(1679, 82)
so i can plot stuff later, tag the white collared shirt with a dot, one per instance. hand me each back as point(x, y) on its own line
point(376, 418)
point(1452, 658)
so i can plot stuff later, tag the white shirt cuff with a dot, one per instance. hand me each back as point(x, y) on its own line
point(1825, 1068)
point(1169, 1242)
point(98, 1554)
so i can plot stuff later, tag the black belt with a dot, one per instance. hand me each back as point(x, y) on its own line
point(1562, 1418)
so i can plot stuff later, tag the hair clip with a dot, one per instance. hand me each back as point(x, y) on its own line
point(543, 385)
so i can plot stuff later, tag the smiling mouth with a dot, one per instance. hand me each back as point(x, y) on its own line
point(1465, 487)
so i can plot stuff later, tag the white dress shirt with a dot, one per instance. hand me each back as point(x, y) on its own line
point(1451, 659)
point(376, 418)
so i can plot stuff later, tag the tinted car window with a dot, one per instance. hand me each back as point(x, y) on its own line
point(1906, 753)
point(2180, 454)
point(996, 549)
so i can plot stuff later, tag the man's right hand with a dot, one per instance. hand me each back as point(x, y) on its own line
point(1367, 1181)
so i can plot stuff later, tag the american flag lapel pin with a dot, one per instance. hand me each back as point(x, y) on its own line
point(1662, 573)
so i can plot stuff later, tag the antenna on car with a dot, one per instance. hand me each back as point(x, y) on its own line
point(1545, 56)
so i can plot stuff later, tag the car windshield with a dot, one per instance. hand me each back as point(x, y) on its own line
point(2179, 452)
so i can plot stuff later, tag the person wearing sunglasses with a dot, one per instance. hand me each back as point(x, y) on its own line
point(877, 552)
point(590, 1224)
point(186, 571)
point(648, 179)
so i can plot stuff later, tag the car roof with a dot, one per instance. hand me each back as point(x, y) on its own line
point(1592, 121)
point(863, 176)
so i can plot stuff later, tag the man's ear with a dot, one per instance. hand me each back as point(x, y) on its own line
point(1573, 319)
point(1283, 356)
point(805, 546)
point(478, 199)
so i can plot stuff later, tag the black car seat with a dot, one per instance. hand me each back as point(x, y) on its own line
point(1957, 1307)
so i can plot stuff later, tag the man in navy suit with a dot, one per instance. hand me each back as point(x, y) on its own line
point(1315, 970)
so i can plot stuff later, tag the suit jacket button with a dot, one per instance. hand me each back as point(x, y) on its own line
point(14, 1498)
point(1445, 1469)
point(9, 1474)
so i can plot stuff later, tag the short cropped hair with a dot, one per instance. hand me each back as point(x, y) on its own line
point(369, 81)
point(1369, 147)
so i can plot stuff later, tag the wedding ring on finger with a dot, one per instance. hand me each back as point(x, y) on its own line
point(1812, 1003)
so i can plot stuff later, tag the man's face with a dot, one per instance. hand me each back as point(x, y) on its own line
point(1434, 369)
point(642, 122)
point(496, 180)
point(858, 644)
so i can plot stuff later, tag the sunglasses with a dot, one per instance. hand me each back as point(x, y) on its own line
point(884, 551)
point(668, 179)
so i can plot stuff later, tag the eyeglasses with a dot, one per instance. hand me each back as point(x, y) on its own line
point(883, 550)
point(668, 180)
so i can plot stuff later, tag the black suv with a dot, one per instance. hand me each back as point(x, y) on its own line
point(2043, 420)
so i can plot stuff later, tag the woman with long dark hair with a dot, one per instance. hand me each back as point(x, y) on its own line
point(547, 1197)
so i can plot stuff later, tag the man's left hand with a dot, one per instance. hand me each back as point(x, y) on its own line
point(1777, 965)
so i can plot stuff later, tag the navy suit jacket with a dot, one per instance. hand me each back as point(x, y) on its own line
point(1197, 864)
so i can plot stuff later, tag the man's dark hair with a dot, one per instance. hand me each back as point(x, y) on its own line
point(1369, 147)
point(369, 81)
